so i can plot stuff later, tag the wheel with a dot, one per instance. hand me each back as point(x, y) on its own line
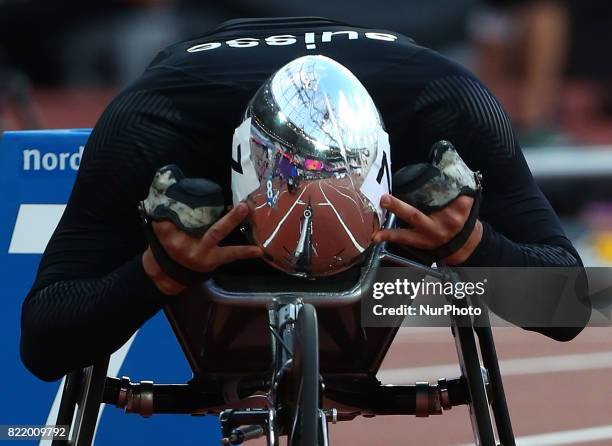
point(304, 428)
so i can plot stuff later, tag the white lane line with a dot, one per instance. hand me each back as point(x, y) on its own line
point(350, 189)
point(343, 194)
point(348, 232)
point(280, 223)
point(509, 367)
point(577, 436)
point(350, 198)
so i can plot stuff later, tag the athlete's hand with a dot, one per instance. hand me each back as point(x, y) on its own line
point(199, 254)
point(431, 231)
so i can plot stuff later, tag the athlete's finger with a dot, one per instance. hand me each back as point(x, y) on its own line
point(407, 213)
point(163, 228)
point(404, 237)
point(224, 226)
point(463, 204)
point(228, 254)
point(453, 217)
point(178, 244)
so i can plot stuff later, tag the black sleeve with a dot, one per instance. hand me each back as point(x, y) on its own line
point(91, 292)
point(520, 227)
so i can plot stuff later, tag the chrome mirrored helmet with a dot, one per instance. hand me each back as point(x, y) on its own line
point(311, 158)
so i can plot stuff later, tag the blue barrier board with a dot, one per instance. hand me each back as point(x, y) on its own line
point(38, 169)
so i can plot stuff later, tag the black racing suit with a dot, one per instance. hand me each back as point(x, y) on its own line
point(91, 292)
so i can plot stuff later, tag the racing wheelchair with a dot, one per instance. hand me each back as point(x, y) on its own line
point(274, 357)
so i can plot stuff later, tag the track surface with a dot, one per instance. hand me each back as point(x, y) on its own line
point(340, 230)
point(551, 387)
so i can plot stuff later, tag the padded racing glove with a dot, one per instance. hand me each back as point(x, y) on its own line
point(433, 186)
point(192, 204)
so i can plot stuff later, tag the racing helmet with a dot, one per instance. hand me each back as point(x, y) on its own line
point(311, 159)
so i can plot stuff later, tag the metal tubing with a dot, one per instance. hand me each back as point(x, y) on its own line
point(89, 406)
point(70, 395)
point(498, 396)
point(374, 399)
point(470, 368)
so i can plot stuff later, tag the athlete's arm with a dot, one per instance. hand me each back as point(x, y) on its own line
point(91, 292)
point(94, 288)
point(519, 227)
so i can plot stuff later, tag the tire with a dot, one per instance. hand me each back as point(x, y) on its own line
point(306, 363)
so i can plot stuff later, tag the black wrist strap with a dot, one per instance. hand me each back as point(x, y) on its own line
point(169, 266)
point(454, 244)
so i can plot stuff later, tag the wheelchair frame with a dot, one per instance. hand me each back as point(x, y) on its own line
point(479, 386)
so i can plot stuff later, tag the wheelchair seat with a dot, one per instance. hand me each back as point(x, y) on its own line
point(223, 325)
